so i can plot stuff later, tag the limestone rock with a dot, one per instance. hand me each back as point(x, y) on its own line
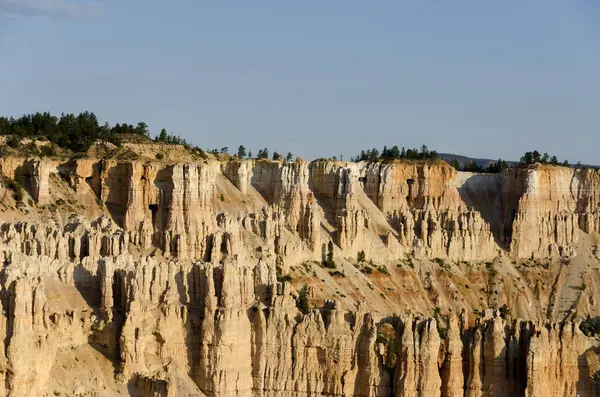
point(188, 277)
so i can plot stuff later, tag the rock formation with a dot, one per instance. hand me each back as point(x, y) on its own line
point(183, 279)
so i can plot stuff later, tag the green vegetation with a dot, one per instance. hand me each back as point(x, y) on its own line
point(396, 153)
point(499, 165)
point(48, 150)
point(328, 262)
point(69, 131)
point(279, 273)
point(409, 261)
point(13, 141)
point(492, 168)
point(442, 264)
point(383, 270)
point(380, 268)
point(263, 154)
point(590, 326)
point(302, 300)
point(536, 157)
point(17, 186)
point(366, 270)
point(76, 133)
point(241, 153)
point(491, 269)
point(386, 335)
point(171, 139)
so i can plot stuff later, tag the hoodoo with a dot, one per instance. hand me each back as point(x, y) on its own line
point(221, 277)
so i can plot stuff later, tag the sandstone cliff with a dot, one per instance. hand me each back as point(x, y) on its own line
point(182, 279)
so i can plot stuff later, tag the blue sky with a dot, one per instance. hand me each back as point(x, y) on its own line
point(317, 78)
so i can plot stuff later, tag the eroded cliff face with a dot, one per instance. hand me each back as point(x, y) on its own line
point(556, 203)
point(171, 279)
point(419, 208)
point(235, 331)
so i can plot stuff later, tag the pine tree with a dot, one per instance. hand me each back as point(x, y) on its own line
point(163, 136)
point(141, 129)
point(545, 158)
point(373, 154)
point(330, 261)
point(241, 153)
point(302, 300)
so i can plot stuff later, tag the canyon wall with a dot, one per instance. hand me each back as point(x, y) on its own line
point(427, 208)
point(556, 202)
point(185, 278)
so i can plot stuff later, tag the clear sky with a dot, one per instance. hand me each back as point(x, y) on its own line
point(317, 77)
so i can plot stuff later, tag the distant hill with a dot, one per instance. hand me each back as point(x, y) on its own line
point(462, 160)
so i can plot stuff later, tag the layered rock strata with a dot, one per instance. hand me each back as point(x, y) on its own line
point(176, 274)
point(426, 208)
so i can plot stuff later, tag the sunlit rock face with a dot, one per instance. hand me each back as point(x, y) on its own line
point(150, 278)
